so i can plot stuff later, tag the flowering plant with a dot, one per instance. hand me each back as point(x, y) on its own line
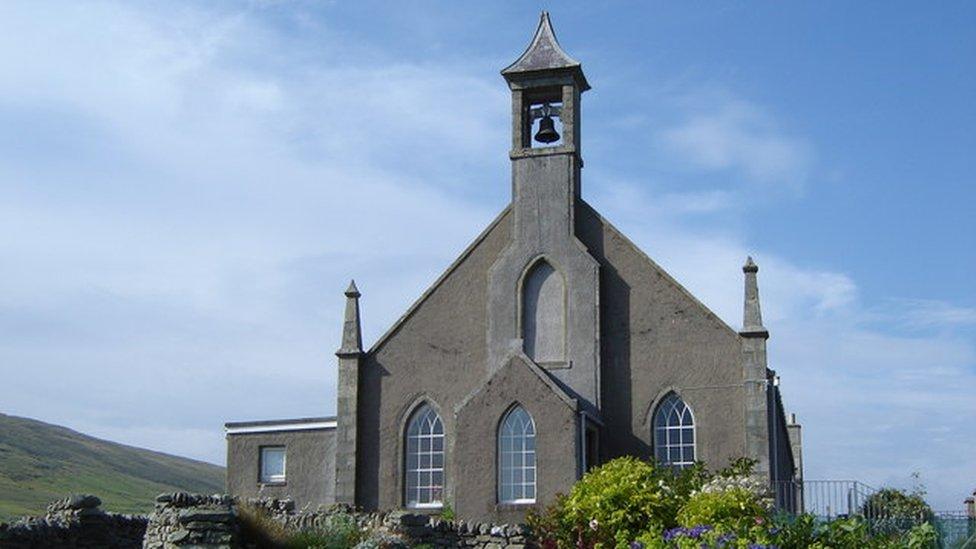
point(615, 504)
point(730, 504)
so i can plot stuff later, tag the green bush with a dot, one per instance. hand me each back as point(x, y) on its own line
point(614, 504)
point(629, 503)
point(339, 531)
point(897, 507)
point(805, 531)
point(727, 504)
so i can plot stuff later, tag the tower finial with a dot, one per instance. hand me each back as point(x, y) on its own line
point(752, 325)
point(352, 336)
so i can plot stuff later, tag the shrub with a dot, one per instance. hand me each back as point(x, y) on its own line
point(338, 531)
point(855, 532)
point(728, 504)
point(616, 503)
point(891, 502)
point(629, 503)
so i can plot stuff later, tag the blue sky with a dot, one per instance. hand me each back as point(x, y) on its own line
point(186, 188)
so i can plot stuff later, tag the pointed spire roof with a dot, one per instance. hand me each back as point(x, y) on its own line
point(752, 325)
point(352, 333)
point(545, 54)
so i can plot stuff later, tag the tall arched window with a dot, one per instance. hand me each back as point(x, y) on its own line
point(674, 433)
point(424, 459)
point(516, 457)
point(544, 314)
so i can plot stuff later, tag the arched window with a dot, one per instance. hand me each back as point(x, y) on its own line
point(674, 433)
point(424, 459)
point(516, 457)
point(544, 314)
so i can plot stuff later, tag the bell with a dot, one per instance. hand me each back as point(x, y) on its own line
point(547, 130)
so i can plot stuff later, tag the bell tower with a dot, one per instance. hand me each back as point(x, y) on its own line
point(544, 287)
point(546, 85)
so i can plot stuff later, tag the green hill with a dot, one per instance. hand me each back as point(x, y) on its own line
point(40, 462)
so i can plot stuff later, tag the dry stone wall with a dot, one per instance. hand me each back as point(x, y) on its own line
point(214, 522)
point(192, 520)
point(75, 522)
point(400, 528)
point(409, 528)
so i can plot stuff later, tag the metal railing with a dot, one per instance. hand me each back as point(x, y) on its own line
point(831, 499)
point(957, 529)
point(825, 499)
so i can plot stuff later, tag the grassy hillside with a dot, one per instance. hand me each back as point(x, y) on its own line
point(40, 462)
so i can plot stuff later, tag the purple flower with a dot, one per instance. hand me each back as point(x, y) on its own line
point(673, 533)
point(636, 545)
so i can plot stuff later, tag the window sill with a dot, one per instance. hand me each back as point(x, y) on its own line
point(514, 505)
point(272, 483)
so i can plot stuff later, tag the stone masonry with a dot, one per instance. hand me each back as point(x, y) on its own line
point(75, 522)
point(192, 520)
point(212, 522)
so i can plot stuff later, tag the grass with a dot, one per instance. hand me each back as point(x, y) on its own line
point(40, 462)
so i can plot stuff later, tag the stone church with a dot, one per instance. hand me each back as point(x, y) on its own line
point(550, 345)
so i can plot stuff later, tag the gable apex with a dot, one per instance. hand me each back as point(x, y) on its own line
point(518, 360)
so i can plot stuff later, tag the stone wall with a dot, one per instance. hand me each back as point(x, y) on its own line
point(213, 522)
point(75, 522)
point(192, 520)
point(401, 528)
point(419, 529)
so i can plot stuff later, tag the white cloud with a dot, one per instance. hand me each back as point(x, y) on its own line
point(186, 223)
point(931, 313)
point(722, 133)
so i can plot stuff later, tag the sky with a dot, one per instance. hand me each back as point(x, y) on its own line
point(186, 189)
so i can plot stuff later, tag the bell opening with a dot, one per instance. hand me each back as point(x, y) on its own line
point(547, 126)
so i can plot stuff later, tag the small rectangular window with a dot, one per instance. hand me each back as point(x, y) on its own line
point(272, 464)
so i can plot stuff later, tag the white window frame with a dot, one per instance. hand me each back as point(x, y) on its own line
point(521, 453)
point(263, 459)
point(427, 414)
point(667, 405)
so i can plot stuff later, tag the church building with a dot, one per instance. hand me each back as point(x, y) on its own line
point(550, 345)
